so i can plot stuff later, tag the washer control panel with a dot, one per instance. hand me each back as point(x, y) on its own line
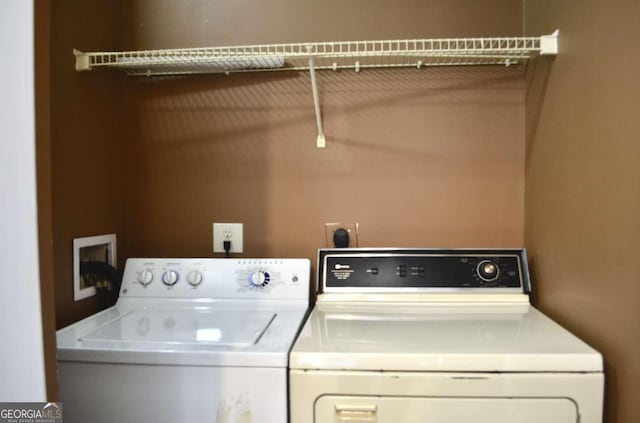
point(216, 278)
point(392, 270)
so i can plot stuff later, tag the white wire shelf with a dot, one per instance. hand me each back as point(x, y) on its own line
point(336, 55)
point(326, 55)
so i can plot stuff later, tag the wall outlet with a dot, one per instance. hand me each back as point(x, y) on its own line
point(227, 232)
point(351, 228)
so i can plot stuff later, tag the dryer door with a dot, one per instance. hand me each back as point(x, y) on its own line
point(337, 409)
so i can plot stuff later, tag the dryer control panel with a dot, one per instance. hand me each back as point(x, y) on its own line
point(416, 270)
point(216, 278)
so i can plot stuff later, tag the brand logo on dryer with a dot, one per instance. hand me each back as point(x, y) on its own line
point(341, 271)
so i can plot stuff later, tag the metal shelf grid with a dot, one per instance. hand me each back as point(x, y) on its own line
point(326, 55)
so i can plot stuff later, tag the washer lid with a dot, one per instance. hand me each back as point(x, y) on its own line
point(237, 334)
point(181, 329)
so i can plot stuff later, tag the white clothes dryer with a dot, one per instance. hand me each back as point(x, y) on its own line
point(439, 336)
point(189, 340)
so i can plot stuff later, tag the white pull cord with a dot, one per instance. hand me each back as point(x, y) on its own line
point(320, 142)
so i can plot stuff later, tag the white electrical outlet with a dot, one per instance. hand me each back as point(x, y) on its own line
point(227, 232)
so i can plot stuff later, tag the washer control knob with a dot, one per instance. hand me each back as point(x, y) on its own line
point(170, 277)
point(145, 277)
point(488, 270)
point(194, 277)
point(259, 279)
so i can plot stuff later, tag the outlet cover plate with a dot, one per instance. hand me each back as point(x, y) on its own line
point(351, 228)
point(219, 236)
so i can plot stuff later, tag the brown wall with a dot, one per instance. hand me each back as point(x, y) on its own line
point(153, 24)
point(583, 184)
point(431, 157)
point(86, 141)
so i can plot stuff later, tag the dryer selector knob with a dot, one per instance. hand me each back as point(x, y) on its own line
point(170, 277)
point(488, 270)
point(259, 279)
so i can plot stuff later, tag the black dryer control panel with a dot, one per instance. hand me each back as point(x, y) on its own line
point(401, 270)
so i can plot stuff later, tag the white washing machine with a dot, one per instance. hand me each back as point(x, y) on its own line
point(439, 336)
point(189, 340)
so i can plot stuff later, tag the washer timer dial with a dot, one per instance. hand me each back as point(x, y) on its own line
point(259, 279)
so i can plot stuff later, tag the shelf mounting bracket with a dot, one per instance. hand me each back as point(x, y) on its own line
point(320, 141)
point(549, 44)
